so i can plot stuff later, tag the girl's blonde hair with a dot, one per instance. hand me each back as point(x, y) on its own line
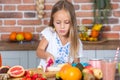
point(73, 33)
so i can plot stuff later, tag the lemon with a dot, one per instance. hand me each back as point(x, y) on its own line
point(91, 39)
point(19, 37)
point(57, 75)
point(95, 39)
point(97, 27)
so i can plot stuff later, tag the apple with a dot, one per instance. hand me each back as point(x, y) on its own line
point(88, 76)
point(85, 70)
point(97, 73)
point(88, 67)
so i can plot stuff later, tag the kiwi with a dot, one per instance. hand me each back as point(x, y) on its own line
point(58, 78)
point(80, 66)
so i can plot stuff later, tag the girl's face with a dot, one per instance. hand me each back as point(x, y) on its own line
point(62, 22)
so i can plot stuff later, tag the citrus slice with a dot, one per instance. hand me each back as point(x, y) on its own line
point(16, 71)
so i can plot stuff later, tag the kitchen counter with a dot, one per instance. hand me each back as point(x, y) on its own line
point(105, 45)
point(18, 46)
point(32, 45)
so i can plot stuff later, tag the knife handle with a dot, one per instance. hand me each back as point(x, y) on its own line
point(50, 62)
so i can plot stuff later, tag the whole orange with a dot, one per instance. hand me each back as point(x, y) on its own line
point(94, 33)
point(28, 36)
point(73, 73)
point(12, 36)
point(63, 71)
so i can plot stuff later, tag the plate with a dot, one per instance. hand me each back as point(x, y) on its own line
point(99, 41)
point(21, 41)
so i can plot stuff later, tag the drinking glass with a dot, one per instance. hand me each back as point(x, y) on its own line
point(118, 65)
point(109, 69)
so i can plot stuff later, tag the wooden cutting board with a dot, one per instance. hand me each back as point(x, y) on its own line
point(47, 74)
point(15, 79)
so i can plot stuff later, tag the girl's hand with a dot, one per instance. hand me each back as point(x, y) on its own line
point(76, 60)
point(50, 59)
point(50, 62)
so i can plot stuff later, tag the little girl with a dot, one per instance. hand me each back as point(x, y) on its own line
point(60, 40)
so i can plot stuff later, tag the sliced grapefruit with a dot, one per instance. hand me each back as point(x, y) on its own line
point(16, 71)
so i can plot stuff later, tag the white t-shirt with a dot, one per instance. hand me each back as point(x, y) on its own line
point(55, 47)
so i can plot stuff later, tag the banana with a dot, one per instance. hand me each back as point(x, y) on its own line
point(97, 27)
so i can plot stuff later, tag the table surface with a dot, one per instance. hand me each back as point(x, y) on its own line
point(117, 77)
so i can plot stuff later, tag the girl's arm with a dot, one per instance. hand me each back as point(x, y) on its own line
point(41, 50)
point(76, 60)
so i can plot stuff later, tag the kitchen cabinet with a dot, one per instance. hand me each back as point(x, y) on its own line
point(33, 60)
point(100, 54)
point(27, 59)
point(87, 54)
point(12, 58)
point(106, 53)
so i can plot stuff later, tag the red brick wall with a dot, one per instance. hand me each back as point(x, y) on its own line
point(21, 15)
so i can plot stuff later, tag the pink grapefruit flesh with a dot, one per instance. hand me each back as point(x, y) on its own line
point(16, 71)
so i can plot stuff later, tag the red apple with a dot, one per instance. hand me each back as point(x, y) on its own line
point(88, 69)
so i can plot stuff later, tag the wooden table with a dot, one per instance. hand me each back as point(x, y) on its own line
point(51, 76)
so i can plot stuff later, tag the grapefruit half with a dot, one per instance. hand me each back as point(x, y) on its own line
point(16, 71)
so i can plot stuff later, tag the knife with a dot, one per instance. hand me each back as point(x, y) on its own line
point(49, 63)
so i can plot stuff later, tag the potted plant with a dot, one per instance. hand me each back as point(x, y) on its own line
point(102, 10)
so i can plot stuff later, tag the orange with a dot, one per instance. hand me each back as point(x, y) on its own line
point(28, 36)
point(63, 70)
point(73, 73)
point(12, 36)
point(94, 33)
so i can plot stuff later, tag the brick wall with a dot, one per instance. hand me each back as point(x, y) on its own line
point(21, 15)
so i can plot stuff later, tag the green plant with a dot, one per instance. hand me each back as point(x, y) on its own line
point(102, 10)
